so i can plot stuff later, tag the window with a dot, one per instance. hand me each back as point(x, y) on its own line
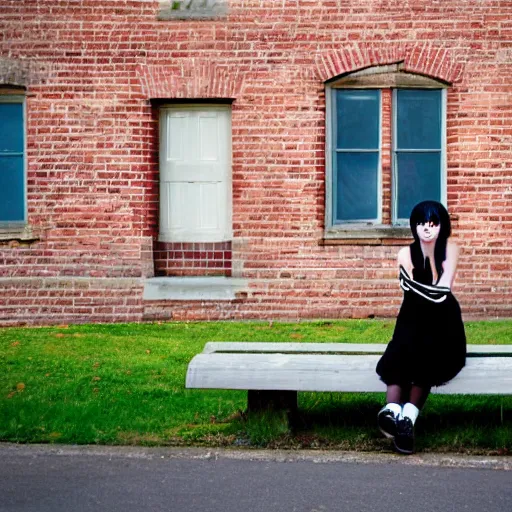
point(418, 168)
point(385, 149)
point(12, 161)
point(356, 155)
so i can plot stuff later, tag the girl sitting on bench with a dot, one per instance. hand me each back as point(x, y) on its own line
point(428, 347)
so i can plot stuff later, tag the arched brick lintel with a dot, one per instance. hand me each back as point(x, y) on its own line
point(421, 58)
point(190, 80)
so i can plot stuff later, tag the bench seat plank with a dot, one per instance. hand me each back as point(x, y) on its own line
point(325, 372)
point(337, 348)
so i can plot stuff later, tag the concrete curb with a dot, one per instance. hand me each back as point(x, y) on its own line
point(503, 463)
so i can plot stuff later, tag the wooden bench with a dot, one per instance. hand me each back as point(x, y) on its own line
point(273, 373)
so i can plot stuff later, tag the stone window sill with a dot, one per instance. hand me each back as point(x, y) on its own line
point(20, 233)
point(358, 234)
point(194, 288)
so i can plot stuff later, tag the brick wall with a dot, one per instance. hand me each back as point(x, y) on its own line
point(91, 70)
point(189, 258)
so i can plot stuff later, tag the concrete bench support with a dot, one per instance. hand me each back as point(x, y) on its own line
point(261, 400)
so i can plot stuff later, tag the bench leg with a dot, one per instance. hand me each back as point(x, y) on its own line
point(274, 400)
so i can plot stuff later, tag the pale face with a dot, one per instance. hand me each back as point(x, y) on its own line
point(428, 232)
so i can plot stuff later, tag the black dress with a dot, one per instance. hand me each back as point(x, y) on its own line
point(428, 347)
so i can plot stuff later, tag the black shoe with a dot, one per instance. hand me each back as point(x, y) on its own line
point(387, 422)
point(404, 438)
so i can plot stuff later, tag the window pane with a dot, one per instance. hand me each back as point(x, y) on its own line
point(11, 127)
point(356, 186)
point(418, 119)
point(357, 118)
point(11, 188)
point(419, 179)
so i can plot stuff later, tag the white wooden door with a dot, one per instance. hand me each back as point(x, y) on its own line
point(195, 174)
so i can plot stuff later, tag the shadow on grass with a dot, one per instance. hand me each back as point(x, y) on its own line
point(476, 425)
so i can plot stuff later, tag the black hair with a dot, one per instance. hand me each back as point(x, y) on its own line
point(435, 212)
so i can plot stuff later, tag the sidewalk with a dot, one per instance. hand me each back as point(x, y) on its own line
point(55, 478)
point(316, 456)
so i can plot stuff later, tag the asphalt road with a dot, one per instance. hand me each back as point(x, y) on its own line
point(74, 479)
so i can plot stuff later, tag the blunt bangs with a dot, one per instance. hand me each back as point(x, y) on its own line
point(430, 211)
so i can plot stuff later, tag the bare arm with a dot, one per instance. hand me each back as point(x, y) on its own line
point(404, 259)
point(449, 265)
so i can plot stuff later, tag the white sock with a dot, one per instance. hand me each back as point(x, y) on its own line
point(411, 411)
point(396, 408)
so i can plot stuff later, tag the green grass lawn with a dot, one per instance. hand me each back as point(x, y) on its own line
point(124, 384)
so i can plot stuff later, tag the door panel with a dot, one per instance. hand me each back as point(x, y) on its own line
point(195, 174)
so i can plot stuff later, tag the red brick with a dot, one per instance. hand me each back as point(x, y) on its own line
point(92, 142)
